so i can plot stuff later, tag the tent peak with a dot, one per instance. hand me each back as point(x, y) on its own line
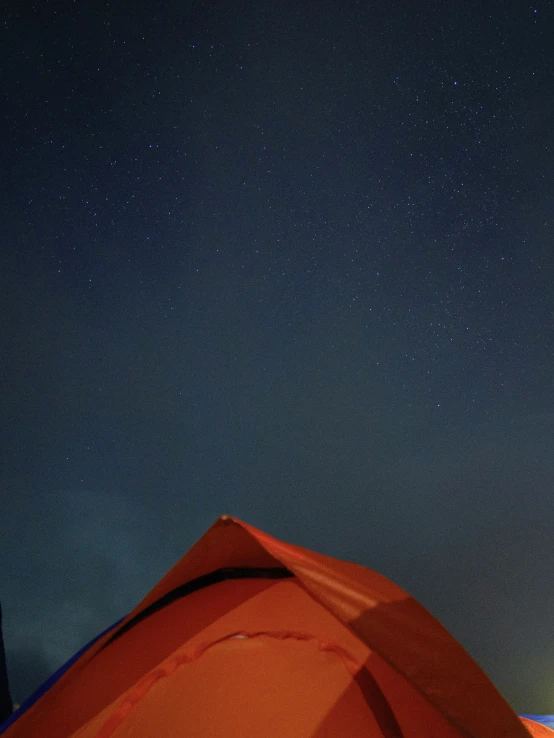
point(226, 518)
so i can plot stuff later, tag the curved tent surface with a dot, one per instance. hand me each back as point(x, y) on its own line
point(248, 636)
point(539, 725)
point(547, 720)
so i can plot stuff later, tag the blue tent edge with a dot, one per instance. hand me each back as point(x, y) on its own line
point(37, 694)
point(547, 720)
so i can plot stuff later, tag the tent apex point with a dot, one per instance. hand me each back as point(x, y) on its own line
point(230, 520)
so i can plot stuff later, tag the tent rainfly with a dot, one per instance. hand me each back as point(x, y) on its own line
point(247, 636)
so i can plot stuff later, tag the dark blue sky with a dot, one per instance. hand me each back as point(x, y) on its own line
point(289, 261)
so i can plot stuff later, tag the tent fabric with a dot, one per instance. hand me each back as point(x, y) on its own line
point(547, 720)
point(538, 728)
point(247, 635)
point(37, 694)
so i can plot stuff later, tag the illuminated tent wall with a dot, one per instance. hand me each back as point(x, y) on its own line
point(249, 636)
point(547, 720)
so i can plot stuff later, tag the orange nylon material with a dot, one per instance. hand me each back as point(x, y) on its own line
point(406, 636)
point(536, 729)
point(256, 686)
point(338, 650)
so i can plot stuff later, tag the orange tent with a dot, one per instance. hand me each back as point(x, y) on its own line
point(249, 636)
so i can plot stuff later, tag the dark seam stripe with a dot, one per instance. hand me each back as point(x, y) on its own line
point(219, 575)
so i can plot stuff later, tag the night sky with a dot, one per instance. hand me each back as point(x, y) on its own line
point(291, 261)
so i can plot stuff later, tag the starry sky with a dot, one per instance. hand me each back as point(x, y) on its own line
point(290, 261)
